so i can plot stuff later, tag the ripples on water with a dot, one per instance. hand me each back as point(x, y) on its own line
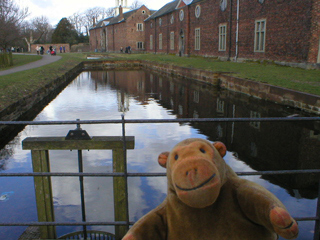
point(144, 95)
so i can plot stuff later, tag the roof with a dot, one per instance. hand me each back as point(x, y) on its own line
point(117, 19)
point(169, 7)
point(195, 1)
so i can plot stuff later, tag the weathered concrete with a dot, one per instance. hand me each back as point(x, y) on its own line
point(304, 101)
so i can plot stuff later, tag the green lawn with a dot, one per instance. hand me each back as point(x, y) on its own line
point(19, 60)
point(18, 85)
point(294, 78)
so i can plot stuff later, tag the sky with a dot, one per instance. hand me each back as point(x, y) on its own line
point(55, 10)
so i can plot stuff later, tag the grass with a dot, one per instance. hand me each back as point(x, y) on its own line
point(15, 86)
point(18, 85)
point(293, 78)
point(19, 60)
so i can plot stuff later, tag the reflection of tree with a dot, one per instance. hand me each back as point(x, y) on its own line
point(7, 152)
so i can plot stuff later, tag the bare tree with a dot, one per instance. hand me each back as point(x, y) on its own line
point(97, 13)
point(136, 4)
point(11, 18)
point(77, 21)
point(38, 30)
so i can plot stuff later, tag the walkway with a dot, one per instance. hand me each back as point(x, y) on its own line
point(46, 59)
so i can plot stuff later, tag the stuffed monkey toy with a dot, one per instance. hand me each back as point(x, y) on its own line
point(206, 200)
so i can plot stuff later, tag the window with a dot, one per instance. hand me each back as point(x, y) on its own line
point(151, 25)
point(151, 42)
point(198, 11)
point(139, 27)
point(196, 96)
point(160, 41)
point(140, 45)
point(197, 39)
point(261, 1)
point(223, 5)
point(254, 114)
point(172, 19)
point(160, 21)
point(260, 36)
point(181, 15)
point(172, 40)
point(222, 37)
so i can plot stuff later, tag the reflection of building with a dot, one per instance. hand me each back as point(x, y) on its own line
point(123, 102)
point(261, 145)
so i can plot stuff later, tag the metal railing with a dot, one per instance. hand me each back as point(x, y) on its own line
point(126, 174)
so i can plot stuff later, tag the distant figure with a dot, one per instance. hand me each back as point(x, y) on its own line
point(64, 49)
point(53, 52)
point(41, 50)
point(129, 49)
point(121, 49)
point(60, 49)
point(38, 49)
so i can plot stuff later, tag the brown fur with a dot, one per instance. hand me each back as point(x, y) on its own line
point(206, 200)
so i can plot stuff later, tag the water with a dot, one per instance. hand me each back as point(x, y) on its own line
point(144, 95)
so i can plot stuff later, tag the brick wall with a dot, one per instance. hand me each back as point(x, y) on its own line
point(292, 30)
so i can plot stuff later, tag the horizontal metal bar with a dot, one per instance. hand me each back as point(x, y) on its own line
point(181, 120)
point(116, 223)
point(68, 174)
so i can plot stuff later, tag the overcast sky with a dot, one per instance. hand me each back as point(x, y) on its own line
point(55, 10)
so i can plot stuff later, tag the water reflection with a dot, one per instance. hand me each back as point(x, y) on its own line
point(145, 95)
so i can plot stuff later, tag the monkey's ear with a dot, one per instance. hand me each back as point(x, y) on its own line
point(222, 149)
point(162, 159)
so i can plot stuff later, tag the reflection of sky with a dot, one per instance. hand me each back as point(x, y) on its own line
point(81, 99)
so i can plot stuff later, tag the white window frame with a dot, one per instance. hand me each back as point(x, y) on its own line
point(181, 15)
point(151, 42)
point(197, 11)
point(140, 45)
point(160, 41)
point(260, 35)
point(140, 27)
point(197, 39)
point(223, 37)
point(171, 40)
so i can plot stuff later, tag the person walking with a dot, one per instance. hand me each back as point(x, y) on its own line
point(38, 49)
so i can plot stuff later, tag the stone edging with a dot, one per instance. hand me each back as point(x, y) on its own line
point(304, 101)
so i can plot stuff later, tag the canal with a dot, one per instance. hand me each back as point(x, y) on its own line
point(140, 94)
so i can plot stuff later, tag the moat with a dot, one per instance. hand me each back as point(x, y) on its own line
point(99, 95)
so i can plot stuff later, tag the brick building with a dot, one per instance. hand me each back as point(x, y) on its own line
point(276, 30)
point(121, 31)
point(166, 30)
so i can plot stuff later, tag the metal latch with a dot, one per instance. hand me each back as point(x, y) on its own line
point(78, 134)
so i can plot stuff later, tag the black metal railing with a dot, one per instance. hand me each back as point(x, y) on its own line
point(126, 174)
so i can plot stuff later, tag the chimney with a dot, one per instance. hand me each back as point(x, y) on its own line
point(94, 21)
point(120, 12)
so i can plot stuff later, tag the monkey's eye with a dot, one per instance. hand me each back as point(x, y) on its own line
point(202, 150)
point(176, 157)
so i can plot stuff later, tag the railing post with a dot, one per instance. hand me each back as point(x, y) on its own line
point(43, 191)
point(119, 191)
